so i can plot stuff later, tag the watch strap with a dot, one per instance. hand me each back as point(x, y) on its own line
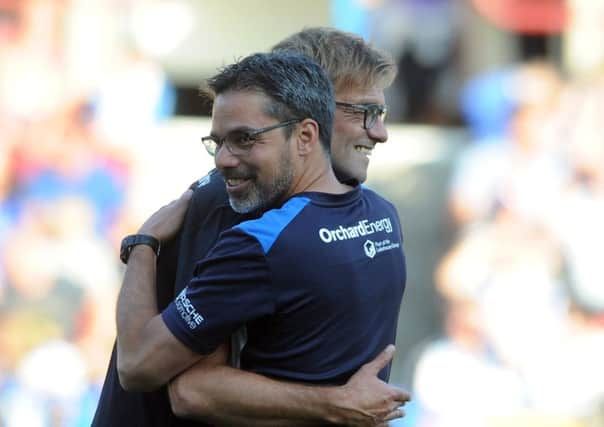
point(137, 239)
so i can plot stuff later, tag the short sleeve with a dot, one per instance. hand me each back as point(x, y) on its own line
point(230, 288)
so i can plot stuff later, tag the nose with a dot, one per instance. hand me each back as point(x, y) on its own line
point(224, 159)
point(378, 132)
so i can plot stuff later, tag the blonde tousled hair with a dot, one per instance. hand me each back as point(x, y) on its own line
point(349, 61)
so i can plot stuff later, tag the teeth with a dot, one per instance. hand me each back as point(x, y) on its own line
point(364, 150)
point(234, 181)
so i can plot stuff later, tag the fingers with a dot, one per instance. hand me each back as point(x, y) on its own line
point(382, 359)
point(164, 223)
point(401, 395)
point(187, 194)
point(184, 198)
point(182, 203)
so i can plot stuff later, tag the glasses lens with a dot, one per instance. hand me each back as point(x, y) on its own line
point(374, 113)
point(238, 142)
point(210, 145)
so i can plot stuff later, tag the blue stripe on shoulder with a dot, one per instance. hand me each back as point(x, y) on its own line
point(269, 226)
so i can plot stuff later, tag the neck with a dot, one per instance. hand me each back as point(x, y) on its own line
point(317, 175)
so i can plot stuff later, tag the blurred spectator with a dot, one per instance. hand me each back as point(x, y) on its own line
point(35, 45)
point(60, 156)
point(522, 286)
point(151, 98)
point(458, 379)
point(576, 222)
point(513, 165)
point(488, 103)
point(509, 341)
point(47, 388)
point(62, 188)
point(423, 36)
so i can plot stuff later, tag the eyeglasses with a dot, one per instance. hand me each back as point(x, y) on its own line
point(239, 142)
point(371, 112)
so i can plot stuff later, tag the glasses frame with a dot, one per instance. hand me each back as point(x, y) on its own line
point(382, 110)
point(213, 144)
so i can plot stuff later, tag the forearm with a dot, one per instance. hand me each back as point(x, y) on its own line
point(223, 395)
point(136, 306)
point(229, 396)
point(148, 355)
point(231, 420)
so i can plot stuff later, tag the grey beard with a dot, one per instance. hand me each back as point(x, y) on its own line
point(264, 197)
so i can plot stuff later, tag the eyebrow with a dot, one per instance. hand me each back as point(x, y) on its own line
point(368, 103)
point(237, 129)
point(365, 103)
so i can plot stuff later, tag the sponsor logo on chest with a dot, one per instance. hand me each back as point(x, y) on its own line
point(362, 229)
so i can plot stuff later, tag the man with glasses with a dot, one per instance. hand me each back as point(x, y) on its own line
point(210, 387)
point(371, 112)
point(271, 126)
point(359, 74)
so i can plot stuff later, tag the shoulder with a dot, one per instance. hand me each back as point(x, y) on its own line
point(374, 197)
point(209, 190)
point(381, 204)
point(269, 227)
point(213, 182)
point(369, 193)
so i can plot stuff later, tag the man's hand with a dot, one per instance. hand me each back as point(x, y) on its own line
point(368, 401)
point(166, 222)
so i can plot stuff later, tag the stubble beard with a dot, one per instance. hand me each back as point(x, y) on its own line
point(264, 196)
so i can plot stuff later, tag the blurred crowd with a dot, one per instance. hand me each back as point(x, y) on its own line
point(66, 176)
point(523, 285)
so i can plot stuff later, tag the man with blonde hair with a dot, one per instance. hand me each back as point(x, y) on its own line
point(359, 74)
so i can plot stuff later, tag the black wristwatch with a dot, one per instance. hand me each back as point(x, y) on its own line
point(137, 239)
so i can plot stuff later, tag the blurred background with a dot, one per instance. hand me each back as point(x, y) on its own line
point(495, 162)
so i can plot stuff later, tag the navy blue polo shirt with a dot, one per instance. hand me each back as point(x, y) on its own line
point(318, 282)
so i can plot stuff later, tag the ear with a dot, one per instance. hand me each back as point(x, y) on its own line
point(308, 137)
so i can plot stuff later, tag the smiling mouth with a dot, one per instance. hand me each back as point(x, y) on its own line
point(237, 184)
point(234, 182)
point(363, 149)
